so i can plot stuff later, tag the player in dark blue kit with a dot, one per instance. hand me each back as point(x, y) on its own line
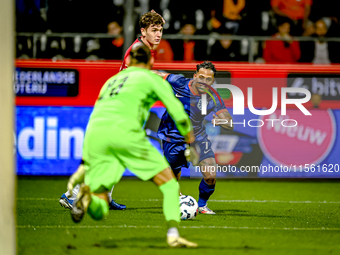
point(189, 92)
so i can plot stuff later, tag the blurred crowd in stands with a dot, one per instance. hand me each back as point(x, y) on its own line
point(284, 20)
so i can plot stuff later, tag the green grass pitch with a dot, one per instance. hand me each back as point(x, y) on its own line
point(253, 217)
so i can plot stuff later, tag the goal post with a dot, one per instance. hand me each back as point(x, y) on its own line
point(7, 169)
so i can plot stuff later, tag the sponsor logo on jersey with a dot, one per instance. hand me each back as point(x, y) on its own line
point(199, 104)
point(206, 151)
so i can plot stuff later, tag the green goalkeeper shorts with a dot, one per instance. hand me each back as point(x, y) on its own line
point(108, 151)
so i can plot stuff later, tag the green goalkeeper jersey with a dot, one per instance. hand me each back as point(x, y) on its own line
point(125, 99)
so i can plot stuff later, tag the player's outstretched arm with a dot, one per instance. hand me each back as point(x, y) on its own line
point(161, 74)
point(224, 120)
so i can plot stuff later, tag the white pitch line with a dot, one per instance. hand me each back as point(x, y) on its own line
point(275, 201)
point(37, 199)
point(159, 227)
point(57, 199)
point(212, 200)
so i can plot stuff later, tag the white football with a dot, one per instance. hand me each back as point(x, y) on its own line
point(188, 207)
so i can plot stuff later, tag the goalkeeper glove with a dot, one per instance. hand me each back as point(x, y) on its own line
point(191, 155)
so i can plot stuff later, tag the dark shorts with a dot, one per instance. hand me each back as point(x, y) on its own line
point(174, 154)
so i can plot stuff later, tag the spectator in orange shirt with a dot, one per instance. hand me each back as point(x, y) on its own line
point(297, 11)
point(188, 45)
point(226, 14)
point(285, 50)
point(112, 48)
point(188, 49)
point(164, 52)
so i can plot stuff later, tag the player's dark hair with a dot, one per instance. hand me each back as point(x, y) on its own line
point(140, 53)
point(150, 18)
point(206, 65)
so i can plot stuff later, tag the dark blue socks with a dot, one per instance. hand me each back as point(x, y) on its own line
point(205, 191)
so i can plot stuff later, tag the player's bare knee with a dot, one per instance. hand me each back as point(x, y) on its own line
point(210, 181)
point(163, 177)
point(102, 196)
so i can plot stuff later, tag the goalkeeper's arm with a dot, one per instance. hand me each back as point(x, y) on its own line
point(161, 74)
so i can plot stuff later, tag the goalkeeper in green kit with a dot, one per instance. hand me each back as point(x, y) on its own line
point(115, 140)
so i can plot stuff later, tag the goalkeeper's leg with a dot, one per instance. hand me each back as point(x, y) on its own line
point(176, 155)
point(66, 200)
point(168, 185)
point(113, 205)
point(95, 204)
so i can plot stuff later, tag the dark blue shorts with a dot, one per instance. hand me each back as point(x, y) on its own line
point(174, 153)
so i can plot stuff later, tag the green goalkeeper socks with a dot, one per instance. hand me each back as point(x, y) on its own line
point(171, 210)
point(98, 208)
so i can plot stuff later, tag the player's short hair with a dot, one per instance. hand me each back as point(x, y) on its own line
point(150, 18)
point(140, 53)
point(206, 65)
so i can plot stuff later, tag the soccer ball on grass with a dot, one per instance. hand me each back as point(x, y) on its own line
point(188, 207)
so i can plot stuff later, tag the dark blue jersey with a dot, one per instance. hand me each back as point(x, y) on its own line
point(192, 102)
